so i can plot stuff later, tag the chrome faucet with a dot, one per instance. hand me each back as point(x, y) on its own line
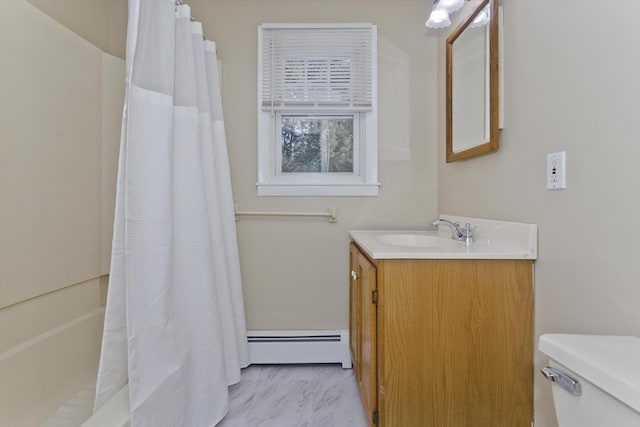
point(460, 234)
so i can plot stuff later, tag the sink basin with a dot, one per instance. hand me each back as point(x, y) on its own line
point(411, 240)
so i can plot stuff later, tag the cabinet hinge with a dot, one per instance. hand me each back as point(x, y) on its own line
point(375, 416)
point(374, 297)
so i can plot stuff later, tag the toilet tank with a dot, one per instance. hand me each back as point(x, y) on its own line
point(607, 370)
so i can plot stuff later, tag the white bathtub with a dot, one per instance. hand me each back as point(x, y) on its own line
point(115, 413)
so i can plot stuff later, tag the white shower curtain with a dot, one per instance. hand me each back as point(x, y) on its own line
point(174, 325)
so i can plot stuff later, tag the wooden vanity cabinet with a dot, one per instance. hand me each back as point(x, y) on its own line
point(443, 343)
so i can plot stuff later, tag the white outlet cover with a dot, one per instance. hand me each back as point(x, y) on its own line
point(556, 170)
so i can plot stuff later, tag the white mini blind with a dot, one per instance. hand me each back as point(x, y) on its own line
point(317, 67)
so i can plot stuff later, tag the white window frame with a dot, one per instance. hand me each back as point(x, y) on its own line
point(362, 182)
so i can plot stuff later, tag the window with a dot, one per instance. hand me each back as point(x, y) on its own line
point(317, 110)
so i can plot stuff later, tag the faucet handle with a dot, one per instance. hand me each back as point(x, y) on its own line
point(467, 233)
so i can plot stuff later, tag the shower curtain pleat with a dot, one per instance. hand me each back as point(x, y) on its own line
point(174, 321)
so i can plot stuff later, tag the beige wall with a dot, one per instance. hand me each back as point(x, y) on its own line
point(59, 130)
point(50, 119)
point(295, 271)
point(101, 22)
point(571, 83)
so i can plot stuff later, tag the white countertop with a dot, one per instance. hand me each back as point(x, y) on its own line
point(492, 240)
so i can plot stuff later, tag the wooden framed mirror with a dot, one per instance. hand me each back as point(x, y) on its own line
point(473, 84)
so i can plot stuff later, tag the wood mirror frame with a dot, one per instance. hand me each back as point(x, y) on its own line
point(485, 146)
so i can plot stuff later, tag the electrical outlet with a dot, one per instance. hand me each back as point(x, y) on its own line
point(556, 171)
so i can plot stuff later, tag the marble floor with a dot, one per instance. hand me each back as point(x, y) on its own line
point(295, 396)
point(266, 396)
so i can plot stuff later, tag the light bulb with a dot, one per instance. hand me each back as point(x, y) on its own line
point(451, 5)
point(439, 18)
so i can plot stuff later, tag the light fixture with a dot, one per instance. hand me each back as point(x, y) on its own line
point(439, 17)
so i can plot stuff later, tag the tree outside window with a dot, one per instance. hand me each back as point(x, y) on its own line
point(317, 144)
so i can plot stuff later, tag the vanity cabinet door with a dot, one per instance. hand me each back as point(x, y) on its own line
point(363, 330)
point(368, 339)
point(354, 310)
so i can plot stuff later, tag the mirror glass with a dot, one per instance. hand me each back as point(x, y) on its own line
point(472, 84)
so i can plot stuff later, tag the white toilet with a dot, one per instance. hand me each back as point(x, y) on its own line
point(596, 379)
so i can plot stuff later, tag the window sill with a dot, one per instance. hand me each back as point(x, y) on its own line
point(318, 190)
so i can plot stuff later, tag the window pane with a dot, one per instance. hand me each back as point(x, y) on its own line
point(317, 144)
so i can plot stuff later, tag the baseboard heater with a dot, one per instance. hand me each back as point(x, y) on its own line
point(293, 347)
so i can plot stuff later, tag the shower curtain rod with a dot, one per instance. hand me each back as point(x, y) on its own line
point(180, 3)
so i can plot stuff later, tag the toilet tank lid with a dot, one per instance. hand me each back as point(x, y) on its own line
point(610, 362)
